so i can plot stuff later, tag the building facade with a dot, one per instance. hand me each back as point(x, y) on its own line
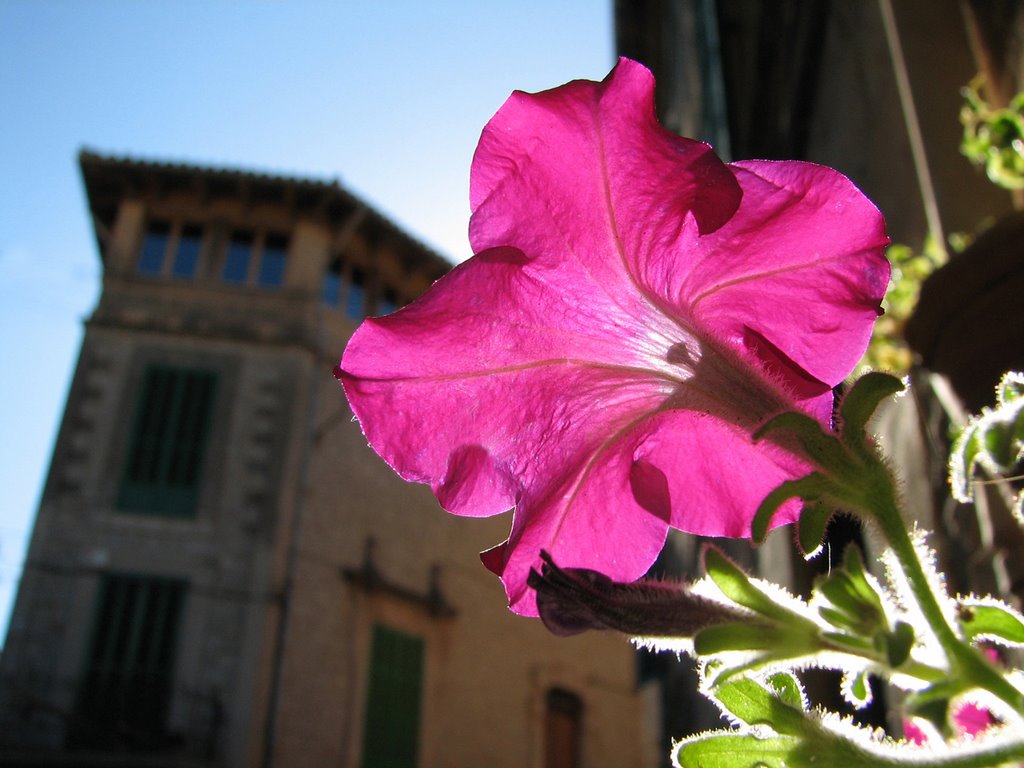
point(221, 572)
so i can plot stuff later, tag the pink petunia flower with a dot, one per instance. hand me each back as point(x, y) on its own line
point(635, 309)
point(969, 720)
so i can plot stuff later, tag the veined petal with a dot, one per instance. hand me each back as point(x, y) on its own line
point(583, 176)
point(590, 516)
point(801, 263)
point(707, 476)
point(496, 382)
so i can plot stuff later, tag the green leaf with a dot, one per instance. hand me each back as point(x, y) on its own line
point(810, 488)
point(995, 438)
point(841, 620)
point(811, 528)
point(860, 690)
point(855, 605)
point(962, 458)
point(992, 621)
point(860, 404)
point(1010, 388)
point(815, 748)
point(819, 446)
point(748, 701)
point(752, 703)
point(839, 590)
point(853, 564)
point(899, 644)
point(1000, 444)
point(736, 585)
point(789, 690)
point(858, 646)
point(728, 749)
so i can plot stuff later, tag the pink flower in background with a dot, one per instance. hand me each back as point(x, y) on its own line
point(969, 719)
point(635, 309)
point(972, 719)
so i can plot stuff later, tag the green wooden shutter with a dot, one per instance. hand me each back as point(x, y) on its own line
point(125, 690)
point(165, 455)
point(391, 737)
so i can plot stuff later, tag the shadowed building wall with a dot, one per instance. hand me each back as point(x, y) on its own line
point(221, 572)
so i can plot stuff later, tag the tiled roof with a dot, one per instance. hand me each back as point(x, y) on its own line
point(109, 179)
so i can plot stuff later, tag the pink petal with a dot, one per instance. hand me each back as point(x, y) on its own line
point(800, 264)
point(584, 177)
point(496, 379)
point(913, 733)
point(707, 476)
point(972, 719)
point(591, 517)
point(686, 468)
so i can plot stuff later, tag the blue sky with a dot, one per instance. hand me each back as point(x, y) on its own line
point(388, 97)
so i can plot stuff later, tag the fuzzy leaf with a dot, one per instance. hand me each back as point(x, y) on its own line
point(962, 458)
point(995, 439)
point(992, 621)
point(811, 528)
point(737, 586)
point(860, 690)
point(809, 488)
point(1010, 388)
point(1000, 444)
point(860, 403)
point(789, 690)
point(899, 644)
point(853, 564)
point(840, 619)
point(752, 703)
point(728, 749)
point(819, 446)
point(856, 606)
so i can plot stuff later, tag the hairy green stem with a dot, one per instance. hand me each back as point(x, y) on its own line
point(968, 668)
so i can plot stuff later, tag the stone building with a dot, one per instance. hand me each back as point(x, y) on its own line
point(221, 572)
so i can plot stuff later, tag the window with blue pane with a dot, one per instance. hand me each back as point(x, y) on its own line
point(186, 257)
point(330, 289)
point(154, 247)
point(355, 297)
point(272, 261)
point(237, 258)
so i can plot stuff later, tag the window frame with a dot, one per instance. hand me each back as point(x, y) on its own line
point(240, 236)
point(129, 662)
point(262, 244)
point(154, 227)
point(278, 245)
point(339, 287)
point(167, 445)
point(178, 231)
